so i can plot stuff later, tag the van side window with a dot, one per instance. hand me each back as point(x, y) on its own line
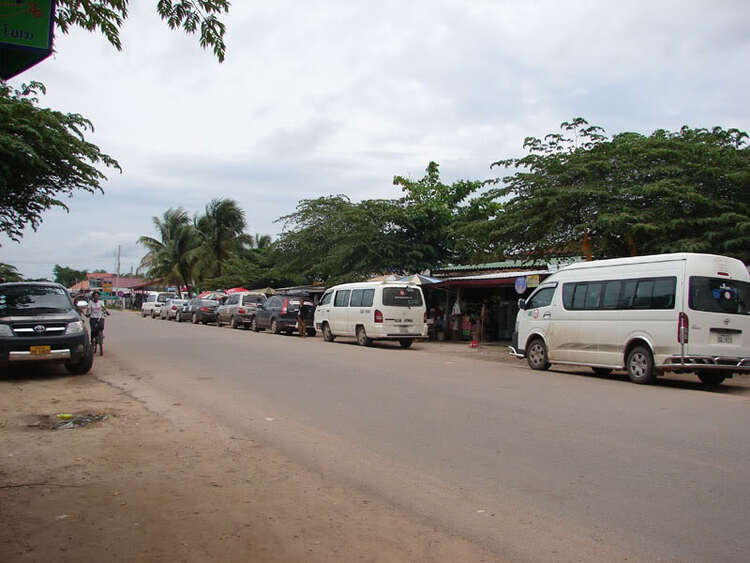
point(326, 298)
point(367, 295)
point(648, 293)
point(356, 300)
point(541, 298)
point(342, 298)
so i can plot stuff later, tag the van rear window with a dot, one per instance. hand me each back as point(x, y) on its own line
point(402, 297)
point(716, 295)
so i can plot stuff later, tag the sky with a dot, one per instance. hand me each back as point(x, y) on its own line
point(337, 97)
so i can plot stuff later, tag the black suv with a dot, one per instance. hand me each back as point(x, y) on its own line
point(279, 314)
point(39, 323)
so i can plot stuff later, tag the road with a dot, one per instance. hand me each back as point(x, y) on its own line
point(537, 466)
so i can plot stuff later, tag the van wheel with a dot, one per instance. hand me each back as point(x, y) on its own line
point(641, 366)
point(362, 339)
point(602, 371)
point(327, 334)
point(711, 378)
point(405, 342)
point(536, 354)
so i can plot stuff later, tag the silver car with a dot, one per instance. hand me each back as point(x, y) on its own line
point(238, 309)
point(170, 308)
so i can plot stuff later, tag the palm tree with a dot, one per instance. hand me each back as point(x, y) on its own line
point(8, 273)
point(222, 233)
point(174, 255)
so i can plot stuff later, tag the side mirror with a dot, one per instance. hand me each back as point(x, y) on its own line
point(522, 304)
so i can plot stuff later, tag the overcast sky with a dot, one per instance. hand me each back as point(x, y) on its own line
point(325, 97)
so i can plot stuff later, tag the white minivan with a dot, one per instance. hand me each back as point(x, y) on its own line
point(648, 315)
point(373, 311)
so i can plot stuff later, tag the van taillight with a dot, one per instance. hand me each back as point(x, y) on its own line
point(241, 311)
point(425, 317)
point(378, 316)
point(682, 328)
point(284, 306)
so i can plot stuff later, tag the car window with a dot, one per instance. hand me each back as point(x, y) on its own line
point(342, 298)
point(356, 299)
point(402, 297)
point(151, 298)
point(326, 298)
point(367, 296)
point(541, 298)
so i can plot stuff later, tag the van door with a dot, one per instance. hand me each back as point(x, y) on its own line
point(719, 317)
point(536, 317)
point(338, 319)
point(360, 310)
point(403, 311)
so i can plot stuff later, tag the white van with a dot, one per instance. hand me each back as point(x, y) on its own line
point(373, 311)
point(647, 315)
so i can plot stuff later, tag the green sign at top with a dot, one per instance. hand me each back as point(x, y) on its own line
point(25, 34)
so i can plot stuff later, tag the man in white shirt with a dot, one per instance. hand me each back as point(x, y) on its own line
point(95, 311)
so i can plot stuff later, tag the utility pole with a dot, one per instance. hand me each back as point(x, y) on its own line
point(117, 276)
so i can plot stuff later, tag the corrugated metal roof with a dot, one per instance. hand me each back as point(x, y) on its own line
point(499, 275)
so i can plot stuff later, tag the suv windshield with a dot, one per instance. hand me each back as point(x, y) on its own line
point(718, 295)
point(402, 297)
point(33, 300)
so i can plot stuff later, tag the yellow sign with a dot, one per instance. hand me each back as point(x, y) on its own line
point(532, 281)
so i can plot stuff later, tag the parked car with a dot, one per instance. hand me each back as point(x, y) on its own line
point(154, 302)
point(198, 310)
point(373, 311)
point(170, 308)
point(239, 309)
point(39, 323)
point(279, 314)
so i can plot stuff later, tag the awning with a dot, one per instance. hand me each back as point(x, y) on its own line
point(492, 280)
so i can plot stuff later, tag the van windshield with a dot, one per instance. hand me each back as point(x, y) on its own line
point(402, 297)
point(717, 295)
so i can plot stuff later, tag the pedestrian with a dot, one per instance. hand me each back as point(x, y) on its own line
point(301, 324)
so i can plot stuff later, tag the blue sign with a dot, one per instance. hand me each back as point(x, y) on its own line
point(520, 284)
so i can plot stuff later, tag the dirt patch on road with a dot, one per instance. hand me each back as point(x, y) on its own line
point(129, 485)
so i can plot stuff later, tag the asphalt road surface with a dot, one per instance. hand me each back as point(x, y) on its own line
point(538, 466)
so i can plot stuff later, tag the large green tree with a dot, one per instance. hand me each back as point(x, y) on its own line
point(68, 276)
point(44, 157)
point(171, 256)
point(221, 229)
point(581, 191)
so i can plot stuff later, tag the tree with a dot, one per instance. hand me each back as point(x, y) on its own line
point(43, 157)
point(9, 273)
point(108, 16)
point(172, 255)
point(222, 233)
point(629, 194)
point(68, 276)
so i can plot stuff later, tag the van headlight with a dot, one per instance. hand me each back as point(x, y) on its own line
point(5, 330)
point(74, 328)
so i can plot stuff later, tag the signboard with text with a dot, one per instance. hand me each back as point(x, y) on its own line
point(25, 34)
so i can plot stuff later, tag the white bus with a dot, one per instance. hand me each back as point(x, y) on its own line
point(647, 315)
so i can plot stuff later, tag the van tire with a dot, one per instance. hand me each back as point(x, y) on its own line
point(362, 339)
point(536, 354)
point(327, 334)
point(711, 378)
point(406, 342)
point(640, 366)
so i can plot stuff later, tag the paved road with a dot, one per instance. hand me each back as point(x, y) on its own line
point(541, 466)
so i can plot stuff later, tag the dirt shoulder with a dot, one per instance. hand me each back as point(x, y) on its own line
point(137, 486)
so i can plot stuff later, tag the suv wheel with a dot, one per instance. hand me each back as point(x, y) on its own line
point(275, 327)
point(82, 366)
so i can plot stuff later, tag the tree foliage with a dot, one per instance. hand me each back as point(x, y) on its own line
point(68, 276)
point(171, 256)
point(221, 230)
point(44, 156)
point(630, 194)
point(108, 16)
point(9, 273)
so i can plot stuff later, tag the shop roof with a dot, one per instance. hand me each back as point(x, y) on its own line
point(537, 263)
point(497, 278)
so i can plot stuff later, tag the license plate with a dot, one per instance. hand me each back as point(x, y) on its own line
point(40, 350)
point(403, 328)
point(724, 338)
